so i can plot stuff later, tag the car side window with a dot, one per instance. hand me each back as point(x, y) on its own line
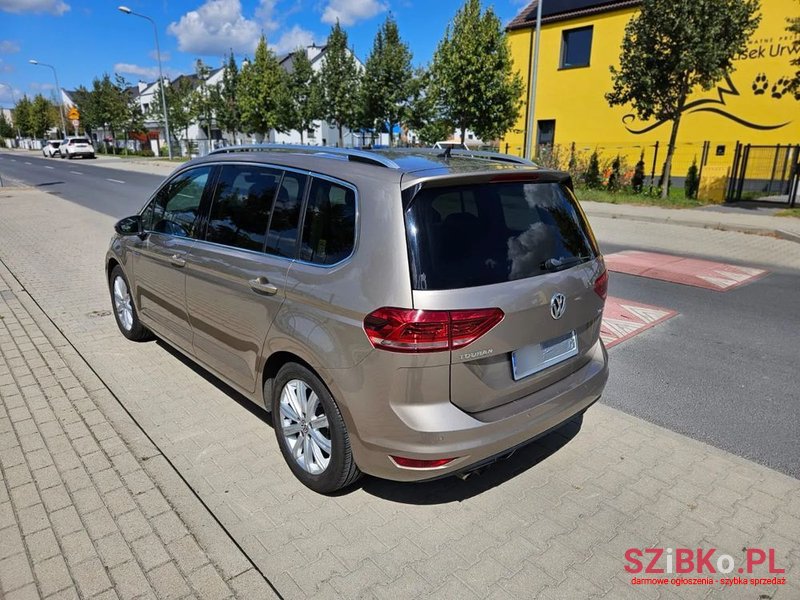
point(329, 228)
point(175, 210)
point(282, 235)
point(241, 206)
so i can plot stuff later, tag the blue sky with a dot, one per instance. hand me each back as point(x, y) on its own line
point(85, 38)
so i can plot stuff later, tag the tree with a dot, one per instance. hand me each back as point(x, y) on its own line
point(42, 116)
point(85, 103)
point(472, 74)
point(201, 99)
point(224, 99)
point(303, 103)
point(692, 183)
point(637, 182)
point(340, 81)
point(669, 48)
point(179, 107)
point(592, 178)
point(6, 129)
point(261, 86)
point(22, 116)
point(422, 113)
point(387, 85)
point(615, 177)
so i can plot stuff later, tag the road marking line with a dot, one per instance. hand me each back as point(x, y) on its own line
point(114, 180)
point(28, 163)
point(76, 172)
point(46, 167)
point(623, 319)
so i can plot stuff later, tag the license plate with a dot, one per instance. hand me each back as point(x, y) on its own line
point(537, 357)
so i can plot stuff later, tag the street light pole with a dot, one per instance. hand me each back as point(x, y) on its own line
point(128, 11)
point(14, 100)
point(58, 89)
point(534, 75)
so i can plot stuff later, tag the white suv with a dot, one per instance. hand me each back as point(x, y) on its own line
point(50, 148)
point(76, 146)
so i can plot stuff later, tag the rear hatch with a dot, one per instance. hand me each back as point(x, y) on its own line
point(517, 242)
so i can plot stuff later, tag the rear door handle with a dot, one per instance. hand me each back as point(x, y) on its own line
point(177, 261)
point(263, 286)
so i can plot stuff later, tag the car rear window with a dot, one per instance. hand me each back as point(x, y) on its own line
point(80, 141)
point(472, 235)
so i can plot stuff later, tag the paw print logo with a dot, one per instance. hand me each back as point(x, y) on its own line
point(760, 84)
point(781, 87)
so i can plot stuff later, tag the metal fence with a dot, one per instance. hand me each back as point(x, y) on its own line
point(764, 173)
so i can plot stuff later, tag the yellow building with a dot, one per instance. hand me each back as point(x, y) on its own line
point(580, 39)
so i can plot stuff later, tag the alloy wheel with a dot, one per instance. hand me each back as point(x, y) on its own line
point(304, 425)
point(122, 303)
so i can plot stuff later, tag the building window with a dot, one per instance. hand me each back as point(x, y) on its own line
point(576, 47)
point(546, 133)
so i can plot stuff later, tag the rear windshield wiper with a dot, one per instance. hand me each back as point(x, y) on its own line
point(557, 264)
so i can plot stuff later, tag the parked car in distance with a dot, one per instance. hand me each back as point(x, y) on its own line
point(72, 147)
point(50, 149)
point(404, 314)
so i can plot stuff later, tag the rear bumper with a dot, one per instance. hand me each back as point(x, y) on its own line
point(427, 430)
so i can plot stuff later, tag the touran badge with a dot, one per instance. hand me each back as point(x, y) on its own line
point(558, 303)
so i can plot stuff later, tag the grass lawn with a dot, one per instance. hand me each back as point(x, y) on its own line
point(676, 198)
point(789, 212)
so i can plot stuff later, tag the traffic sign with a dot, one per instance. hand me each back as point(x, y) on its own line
point(73, 114)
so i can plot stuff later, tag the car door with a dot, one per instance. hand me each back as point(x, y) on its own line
point(171, 221)
point(235, 275)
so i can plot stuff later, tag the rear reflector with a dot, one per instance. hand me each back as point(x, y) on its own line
point(601, 285)
point(409, 330)
point(415, 463)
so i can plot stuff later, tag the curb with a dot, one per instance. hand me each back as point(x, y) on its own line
point(782, 234)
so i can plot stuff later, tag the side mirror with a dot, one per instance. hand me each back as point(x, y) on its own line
point(129, 226)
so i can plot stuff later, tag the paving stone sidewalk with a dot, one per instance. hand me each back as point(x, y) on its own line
point(83, 508)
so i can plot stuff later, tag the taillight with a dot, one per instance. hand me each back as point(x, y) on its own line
point(601, 285)
point(416, 463)
point(408, 330)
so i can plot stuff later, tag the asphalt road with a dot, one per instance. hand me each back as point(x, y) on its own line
point(724, 371)
point(113, 192)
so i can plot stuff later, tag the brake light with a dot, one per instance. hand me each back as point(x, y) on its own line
point(409, 330)
point(415, 463)
point(601, 285)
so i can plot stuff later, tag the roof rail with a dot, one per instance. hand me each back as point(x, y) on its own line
point(350, 154)
point(450, 152)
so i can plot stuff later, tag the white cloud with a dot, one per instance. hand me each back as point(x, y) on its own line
point(295, 38)
point(265, 13)
point(6, 94)
point(165, 56)
point(215, 28)
point(145, 73)
point(348, 12)
point(54, 7)
point(5, 67)
point(41, 87)
point(8, 47)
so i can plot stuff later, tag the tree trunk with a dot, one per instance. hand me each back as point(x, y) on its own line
point(301, 135)
point(463, 133)
point(670, 151)
point(341, 136)
point(391, 135)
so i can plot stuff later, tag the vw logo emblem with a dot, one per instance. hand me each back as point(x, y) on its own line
point(558, 304)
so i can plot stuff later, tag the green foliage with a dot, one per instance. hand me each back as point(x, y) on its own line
point(670, 48)
point(473, 79)
point(43, 115)
point(422, 113)
point(224, 97)
point(387, 83)
point(592, 178)
point(615, 177)
point(180, 109)
point(692, 183)
point(303, 103)
point(262, 84)
point(6, 129)
point(340, 80)
point(201, 102)
point(637, 182)
point(22, 116)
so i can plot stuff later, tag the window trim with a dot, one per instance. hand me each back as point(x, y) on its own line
point(563, 53)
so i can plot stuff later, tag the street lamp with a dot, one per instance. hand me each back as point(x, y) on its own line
point(58, 89)
point(530, 143)
point(128, 11)
point(14, 100)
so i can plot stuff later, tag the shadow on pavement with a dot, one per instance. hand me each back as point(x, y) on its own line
point(440, 491)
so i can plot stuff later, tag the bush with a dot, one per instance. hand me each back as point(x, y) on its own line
point(615, 178)
point(637, 182)
point(692, 181)
point(592, 178)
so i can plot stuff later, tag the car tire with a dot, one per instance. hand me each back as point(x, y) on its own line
point(124, 309)
point(319, 456)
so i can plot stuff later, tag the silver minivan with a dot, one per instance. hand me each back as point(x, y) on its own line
point(406, 314)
